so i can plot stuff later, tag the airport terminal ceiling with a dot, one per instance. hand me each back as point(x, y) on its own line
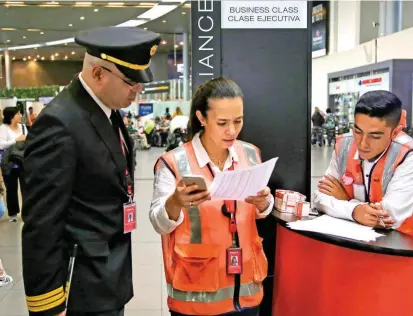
point(29, 23)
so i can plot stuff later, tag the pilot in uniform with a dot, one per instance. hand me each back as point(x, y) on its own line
point(79, 189)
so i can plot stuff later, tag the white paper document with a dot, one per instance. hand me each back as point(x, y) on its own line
point(240, 184)
point(337, 227)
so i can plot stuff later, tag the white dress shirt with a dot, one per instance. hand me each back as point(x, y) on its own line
point(104, 108)
point(165, 186)
point(398, 200)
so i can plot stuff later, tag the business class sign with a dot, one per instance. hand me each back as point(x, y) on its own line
point(263, 14)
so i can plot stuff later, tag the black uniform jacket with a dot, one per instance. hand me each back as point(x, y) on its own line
point(74, 194)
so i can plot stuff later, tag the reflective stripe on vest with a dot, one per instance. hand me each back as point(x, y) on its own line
point(342, 155)
point(392, 154)
point(184, 169)
point(247, 289)
point(250, 152)
point(182, 161)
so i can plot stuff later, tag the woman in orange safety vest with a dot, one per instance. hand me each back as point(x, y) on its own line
point(213, 256)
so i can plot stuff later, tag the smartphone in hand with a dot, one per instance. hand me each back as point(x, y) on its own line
point(195, 179)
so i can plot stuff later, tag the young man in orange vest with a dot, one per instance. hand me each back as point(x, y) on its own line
point(370, 177)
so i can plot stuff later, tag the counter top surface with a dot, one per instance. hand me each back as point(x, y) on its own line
point(393, 243)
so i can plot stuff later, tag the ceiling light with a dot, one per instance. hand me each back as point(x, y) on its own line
point(50, 4)
point(181, 43)
point(183, 13)
point(157, 12)
point(96, 10)
point(176, 46)
point(66, 57)
point(70, 25)
point(7, 29)
point(57, 54)
point(24, 37)
point(145, 28)
point(163, 42)
point(83, 3)
point(14, 2)
point(24, 58)
point(60, 42)
point(42, 58)
point(38, 56)
point(147, 3)
point(82, 17)
point(116, 3)
point(41, 33)
point(14, 58)
point(35, 59)
point(8, 41)
point(35, 48)
point(164, 21)
point(131, 23)
point(29, 57)
point(33, 30)
point(73, 53)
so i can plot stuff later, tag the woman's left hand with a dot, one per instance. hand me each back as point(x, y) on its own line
point(261, 201)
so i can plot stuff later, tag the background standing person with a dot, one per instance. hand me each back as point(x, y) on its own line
point(11, 132)
point(79, 162)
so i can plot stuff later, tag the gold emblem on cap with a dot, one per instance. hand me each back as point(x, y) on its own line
point(123, 63)
point(153, 50)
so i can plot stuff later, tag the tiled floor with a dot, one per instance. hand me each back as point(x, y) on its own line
point(148, 277)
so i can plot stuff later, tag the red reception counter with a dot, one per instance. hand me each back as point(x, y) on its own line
point(323, 275)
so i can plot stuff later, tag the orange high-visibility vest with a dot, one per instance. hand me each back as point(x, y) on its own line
point(381, 174)
point(194, 253)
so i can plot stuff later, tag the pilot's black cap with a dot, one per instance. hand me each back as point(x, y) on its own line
point(129, 48)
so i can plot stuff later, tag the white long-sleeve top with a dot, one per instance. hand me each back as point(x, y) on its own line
point(165, 185)
point(398, 199)
point(8, 136)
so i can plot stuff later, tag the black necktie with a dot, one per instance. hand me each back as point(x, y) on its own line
point(114, 118)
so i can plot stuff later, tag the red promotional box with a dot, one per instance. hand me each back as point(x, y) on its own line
point(286, 200)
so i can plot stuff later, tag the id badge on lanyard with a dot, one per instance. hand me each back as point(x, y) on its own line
point(234, 254)
point(129, 208)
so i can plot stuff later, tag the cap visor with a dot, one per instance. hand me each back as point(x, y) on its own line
point(141, 76)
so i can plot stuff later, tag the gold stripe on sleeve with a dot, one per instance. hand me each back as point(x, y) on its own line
point(44, 296)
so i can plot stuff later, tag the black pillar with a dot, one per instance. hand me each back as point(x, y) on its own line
point(273, 68)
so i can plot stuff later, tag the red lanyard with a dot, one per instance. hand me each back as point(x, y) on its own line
point(231, 208)
point(122, 145)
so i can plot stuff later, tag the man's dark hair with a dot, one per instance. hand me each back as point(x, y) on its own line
point(381, 104)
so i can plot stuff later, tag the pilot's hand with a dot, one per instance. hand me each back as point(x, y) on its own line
point(261, 200)
point(332, 187)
